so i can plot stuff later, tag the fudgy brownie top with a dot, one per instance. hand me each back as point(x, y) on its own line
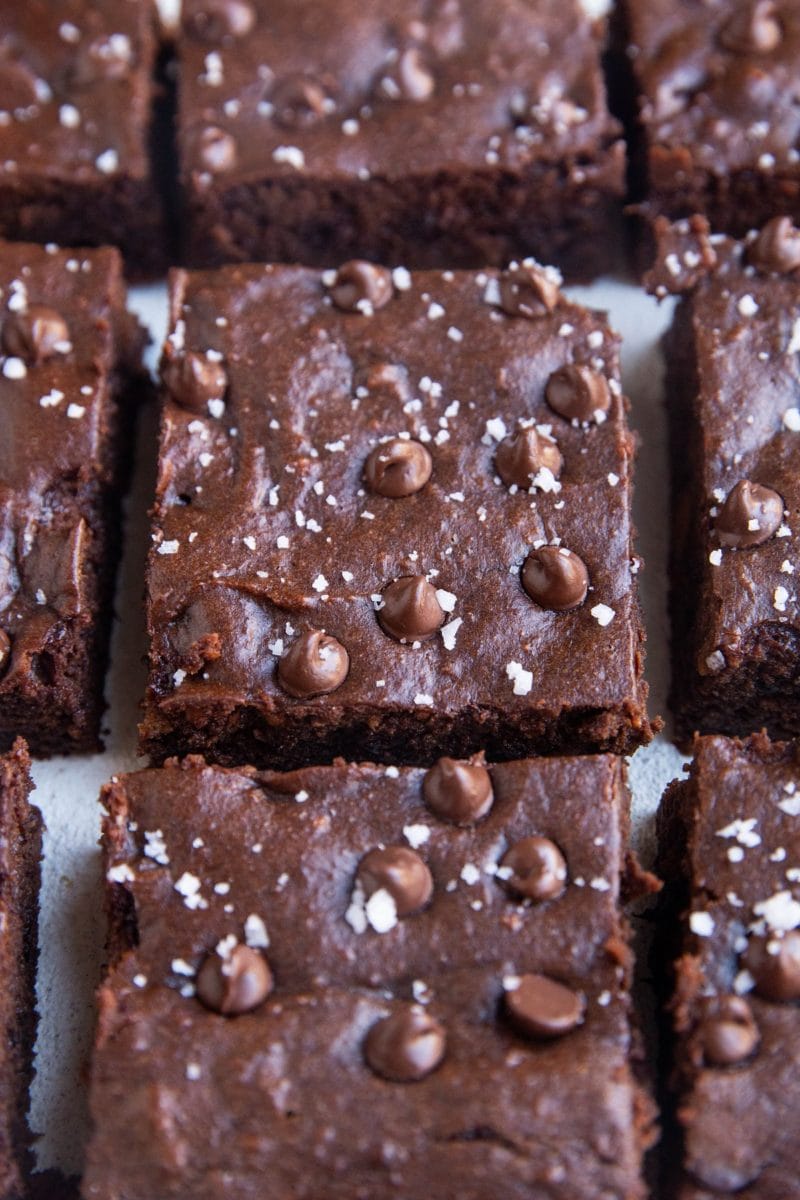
point(273, 88)
point(376, 876)
point(64, 333)
point(742, 329)
point(720, 79)
point(422, 978)
point(736, 821)
point(375, 458)
point(75, 89)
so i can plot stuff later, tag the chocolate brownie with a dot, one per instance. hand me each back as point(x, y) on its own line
point(718, 128)
point(70, 361)
point(733, 399)
point(77, 94)
point(430, 133)
point(730, 852)
point(371, 534)
point(367, 982)
point(20, 853)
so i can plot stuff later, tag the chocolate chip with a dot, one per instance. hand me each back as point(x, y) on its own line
point(299, 102)
point(361, 287)
point(398, 468)
point(578, 393)
point(218, 19)
point(5, 652)
point(750, 515)
point(35, 335)
point(457, 791)
point(774, 963)
point(234, 983)
point(387, 381)
point(406, 1046)
point(413, 77)
point(776, 250)
point(755, 28)
point(410, 611)
point(528, 290)
point(727, 1033)
point(193, 380)
point(217, 150)
point(313, 665)
point(542, 1008)
point(555, 578)
point(400, 872)
point(521, 456)
point(537, 869)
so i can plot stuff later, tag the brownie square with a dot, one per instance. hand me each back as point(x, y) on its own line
point(730, 853)
point(70, 362)
point(329, 985)
point(429, 135)
point(734, 408)
point(77, 92)
point(718, 128)
point(337, 564)
point(20, 854)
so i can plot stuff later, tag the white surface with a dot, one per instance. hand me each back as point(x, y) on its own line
point(72, 921)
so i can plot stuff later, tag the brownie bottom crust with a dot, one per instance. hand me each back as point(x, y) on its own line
point(20, 854)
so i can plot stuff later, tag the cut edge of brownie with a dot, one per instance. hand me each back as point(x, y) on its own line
point(20, 877)
point(674, 970)
point(82, 658)
point(737, 705)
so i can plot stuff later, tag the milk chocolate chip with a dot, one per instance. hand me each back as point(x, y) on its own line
point(193, 380)
point(314, 665)
point(534, 868)
point(578, 393)
point(529, 290)
point(400, 872)
point(459, 792)
point(406, 1046)
point(398, 468)
point(36, 334)
point(411, 611)
point(774, 963)
point(234, 982)
point(750, 515)
point(540, 1007)
point(555, 578)
point(361, 287)
point(776, 250)
point(521, 457)
point(727, 1032)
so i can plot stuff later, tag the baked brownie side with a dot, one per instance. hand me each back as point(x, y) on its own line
point(77, 92)
point(69, 373)
point(20, 855)
point(734, 409)
point(371, 532)
point(730, 854)
point(718, 124)
point(367, 982)
point(457, 133)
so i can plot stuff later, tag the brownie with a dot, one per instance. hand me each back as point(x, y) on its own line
point(718, 127)
point(20, 854)
point(367, 982)
point(730, 852)
point(70, 362)
point(371, 535)
point(733, 401)
point(444, 134)
point(77, 93)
